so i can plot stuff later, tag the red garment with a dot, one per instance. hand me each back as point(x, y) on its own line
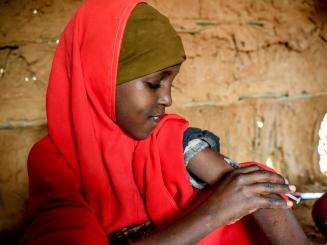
point(319, 214)
point(88, 178)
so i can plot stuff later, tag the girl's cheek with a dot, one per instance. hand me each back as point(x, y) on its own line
point(148, 98)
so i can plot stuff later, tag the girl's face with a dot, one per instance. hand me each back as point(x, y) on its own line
point(141, 103)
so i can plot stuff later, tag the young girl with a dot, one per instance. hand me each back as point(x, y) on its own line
point(114, 168)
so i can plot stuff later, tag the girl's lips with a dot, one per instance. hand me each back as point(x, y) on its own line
point(155, 119)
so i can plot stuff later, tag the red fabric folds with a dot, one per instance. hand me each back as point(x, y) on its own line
point(87, 177)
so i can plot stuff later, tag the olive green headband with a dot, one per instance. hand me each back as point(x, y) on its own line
point(150, 44)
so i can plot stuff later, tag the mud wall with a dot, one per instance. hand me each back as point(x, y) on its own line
point(255, 75)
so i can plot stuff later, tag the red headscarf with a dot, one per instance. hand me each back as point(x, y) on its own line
point(87, 177)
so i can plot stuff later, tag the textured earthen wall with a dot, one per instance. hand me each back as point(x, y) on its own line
point(249, 62)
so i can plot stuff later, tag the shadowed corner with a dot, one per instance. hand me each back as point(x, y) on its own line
point(321, 9)
point(9, 235)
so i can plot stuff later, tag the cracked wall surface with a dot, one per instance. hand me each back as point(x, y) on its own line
point(247, 62)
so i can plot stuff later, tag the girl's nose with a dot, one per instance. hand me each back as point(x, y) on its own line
point(165, 99)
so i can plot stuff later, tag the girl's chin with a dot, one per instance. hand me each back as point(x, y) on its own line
point(145, 131)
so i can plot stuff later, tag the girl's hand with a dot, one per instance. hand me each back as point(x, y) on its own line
point(245, 190)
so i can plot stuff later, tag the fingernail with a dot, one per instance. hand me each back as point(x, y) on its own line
point(292, 188)
point(289, 203)
point(286, 181)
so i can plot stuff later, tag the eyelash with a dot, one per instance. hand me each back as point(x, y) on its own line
point(153, 86)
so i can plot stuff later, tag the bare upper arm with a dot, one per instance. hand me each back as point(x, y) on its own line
point(209, 166)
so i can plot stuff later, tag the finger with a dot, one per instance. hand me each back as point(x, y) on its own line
point(244, 170)
point(273, 202)
point(238, 172)
point(270, 188)
point(260, 176)
point(285, 180)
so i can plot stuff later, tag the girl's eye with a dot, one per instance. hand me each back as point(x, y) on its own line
point(153, 85)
